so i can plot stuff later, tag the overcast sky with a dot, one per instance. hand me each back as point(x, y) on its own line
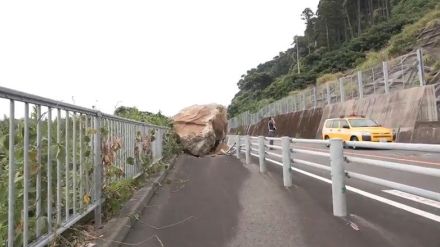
point(155, 55)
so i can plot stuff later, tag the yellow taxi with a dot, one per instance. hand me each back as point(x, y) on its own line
point(356, 129)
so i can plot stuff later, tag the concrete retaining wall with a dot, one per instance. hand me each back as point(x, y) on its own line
point(399, 110)
point(426, 132)
point(302, 124)
point(410, 111)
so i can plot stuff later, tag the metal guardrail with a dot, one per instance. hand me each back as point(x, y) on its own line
point(337, 159)
point(403, 72)
point(60, 156)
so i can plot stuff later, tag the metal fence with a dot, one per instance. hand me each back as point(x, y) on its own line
point(399, 73)
point(55, 159)
point(284, 154)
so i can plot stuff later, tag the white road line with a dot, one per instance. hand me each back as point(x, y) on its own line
point(415, 198)
point(402, 206)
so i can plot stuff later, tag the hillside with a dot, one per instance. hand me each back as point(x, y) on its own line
point(342, 35)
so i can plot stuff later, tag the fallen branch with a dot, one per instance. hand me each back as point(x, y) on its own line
point(167, 226)
point(181, 184)
point(158, 240)
point(179, 189)
point(119, 242)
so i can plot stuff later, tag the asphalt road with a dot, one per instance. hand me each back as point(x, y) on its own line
point(218, 201)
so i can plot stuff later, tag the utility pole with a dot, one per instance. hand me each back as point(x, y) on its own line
point(297, 54)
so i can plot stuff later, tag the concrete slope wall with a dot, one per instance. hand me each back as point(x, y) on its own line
point(428, 110)
point(402, 110)
point(426, 132)
point(302, 124)
point(399, 110)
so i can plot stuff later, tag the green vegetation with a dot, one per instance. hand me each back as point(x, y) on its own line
point(116, 189)
point(171, 145)
point(328, 77)
point(143, 116)
point(406, 40)
point(57, 150)
point(341, 35)
point(118, 192)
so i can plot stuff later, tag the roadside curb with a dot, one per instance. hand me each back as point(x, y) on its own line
point(116, 229)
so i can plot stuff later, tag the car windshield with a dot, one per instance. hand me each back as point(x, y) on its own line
point(363, 123)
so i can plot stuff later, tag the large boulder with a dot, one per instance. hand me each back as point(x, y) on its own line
point(201, 128)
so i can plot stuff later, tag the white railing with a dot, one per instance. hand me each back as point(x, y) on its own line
point(259, 148)
point(399, 73)
point(56, 158)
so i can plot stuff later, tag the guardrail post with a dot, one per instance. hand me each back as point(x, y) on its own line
point(360, 85)
point(287, 178)
point(420, 67)
point(237, 142)
point(341, 90)
point(248, 149)
point(314, 97)
point(295, 102)
point(290, 104)
point(11, 177)
point(338, 178)
point(385, 76)
point(304, 100)
point(261, 154)
point(97, 170)
point(329, 98)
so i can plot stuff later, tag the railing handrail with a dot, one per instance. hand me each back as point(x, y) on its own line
point(112, 143)
point(126, 120)
point(24, 97)
point(312, 141)
point(337, 159)
point(304, 151)
point(396, 166)
point(420, 147)
point(12, 94)
point(434, 148)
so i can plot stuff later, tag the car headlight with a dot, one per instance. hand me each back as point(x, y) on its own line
point(365, 133)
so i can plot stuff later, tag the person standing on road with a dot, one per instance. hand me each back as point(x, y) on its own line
point(272, 128)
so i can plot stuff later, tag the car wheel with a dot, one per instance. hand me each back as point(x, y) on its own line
point(354, 139)
point(327, 138)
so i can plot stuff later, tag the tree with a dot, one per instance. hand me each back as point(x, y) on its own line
point(330, 23)
point(307, 15)
point(350, 27)
point(359, 17)
point(309, 33)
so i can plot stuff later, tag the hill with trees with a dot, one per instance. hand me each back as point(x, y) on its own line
point(339, 36)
